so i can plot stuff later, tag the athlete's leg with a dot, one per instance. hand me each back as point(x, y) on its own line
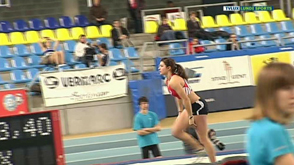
point(178, 130)
point(202, 131)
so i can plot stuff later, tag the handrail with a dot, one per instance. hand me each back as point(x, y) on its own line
point(289, 5)
point(286, 37)
point(186, 8)
point(157, 9)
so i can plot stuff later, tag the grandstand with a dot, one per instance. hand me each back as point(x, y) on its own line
point(270, 33)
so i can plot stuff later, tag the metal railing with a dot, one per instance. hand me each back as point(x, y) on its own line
point(287, 37)
point(143, 13)
point(186, 8)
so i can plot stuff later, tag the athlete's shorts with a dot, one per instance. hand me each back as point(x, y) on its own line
point(153, 148)
point(200, 107)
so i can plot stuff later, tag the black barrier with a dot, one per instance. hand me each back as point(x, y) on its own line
point(219, 99)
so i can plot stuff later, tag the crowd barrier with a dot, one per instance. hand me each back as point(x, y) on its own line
point(226, 80)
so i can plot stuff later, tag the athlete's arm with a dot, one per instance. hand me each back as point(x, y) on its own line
point(179, 104)
point(178, 87)
point(287, 159)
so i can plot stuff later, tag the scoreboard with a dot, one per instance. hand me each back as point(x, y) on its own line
point(31, 139)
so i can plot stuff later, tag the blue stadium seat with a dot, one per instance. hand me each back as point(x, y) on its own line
point(31, 73)
point(69, 46)
point(131, 53)
point(257, 29)
point(80, 66)
point(268, 42)
point(112, 63)
point(35, 61)
point(105, 41)
point(289, 41)
point(130, 67)
point(227, 29)
point(5, 27)
point(209, 29)
point(176, 49)
point(51, 23)
point(21, 25)
point(36, 24)
point(272, 28)
point(48, 69)
point(204, 42)
point(116, 55)
point(66, 22)
point(221, 47)
point(19, 63)
point(4, 65)
point(9, 86)
point(287, 26)
point(242, 31)
point(18, 76)
point(252, 44)
point(5, 52)
point(64, 67)
point(21, 50)
point(2, 82)
point(70, 59)
point(81, 21)
point(36, 49)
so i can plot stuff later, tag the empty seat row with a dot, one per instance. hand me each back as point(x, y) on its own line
point(48, 23)
point(60, 34)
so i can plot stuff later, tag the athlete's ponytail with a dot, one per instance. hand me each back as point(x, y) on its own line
point(175, 68)
point(180, 71)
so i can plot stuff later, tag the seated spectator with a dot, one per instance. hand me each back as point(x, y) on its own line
point(98, 14)
point(103, 57)
point(120, 35)
point(50, 54)
point(200, 49)
point(170, 4)
point(165, 32)
point(235, 44)
point(195, 30)
point(80, 49)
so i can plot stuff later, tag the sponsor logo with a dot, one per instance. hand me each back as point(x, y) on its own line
point(119, 74)
point(271, 60)
point(230, 78)
point(11, 102)
point(193, 74)
point(51, 82)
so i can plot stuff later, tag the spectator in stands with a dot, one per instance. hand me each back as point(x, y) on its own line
point(120, 35)
point(50, 54)
point(235, 44)
point(104, 55)
point(165, 31)
point(195, 29)
point(84, 51)
point(199, 49)
point(170, 4)
point(146, 124)
point(98, 14)
point(135, 7)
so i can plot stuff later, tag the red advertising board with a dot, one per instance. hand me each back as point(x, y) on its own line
point(13, 102)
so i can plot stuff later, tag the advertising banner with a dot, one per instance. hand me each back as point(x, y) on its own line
point(218, 73)
point(72, 87)
point(14, 101)
point(259, 61)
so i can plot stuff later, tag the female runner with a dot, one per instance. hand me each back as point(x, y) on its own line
point(195, 108)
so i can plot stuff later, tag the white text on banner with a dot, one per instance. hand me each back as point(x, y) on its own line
point(218, 73)
point(70, 87)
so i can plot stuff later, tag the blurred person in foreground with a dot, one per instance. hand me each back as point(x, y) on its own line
point(268, 141)
point(147, 125)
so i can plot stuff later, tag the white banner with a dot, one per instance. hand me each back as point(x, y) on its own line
point(218, 73)
point(72, 87)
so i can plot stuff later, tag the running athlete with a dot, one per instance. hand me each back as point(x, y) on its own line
point(195, 112)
